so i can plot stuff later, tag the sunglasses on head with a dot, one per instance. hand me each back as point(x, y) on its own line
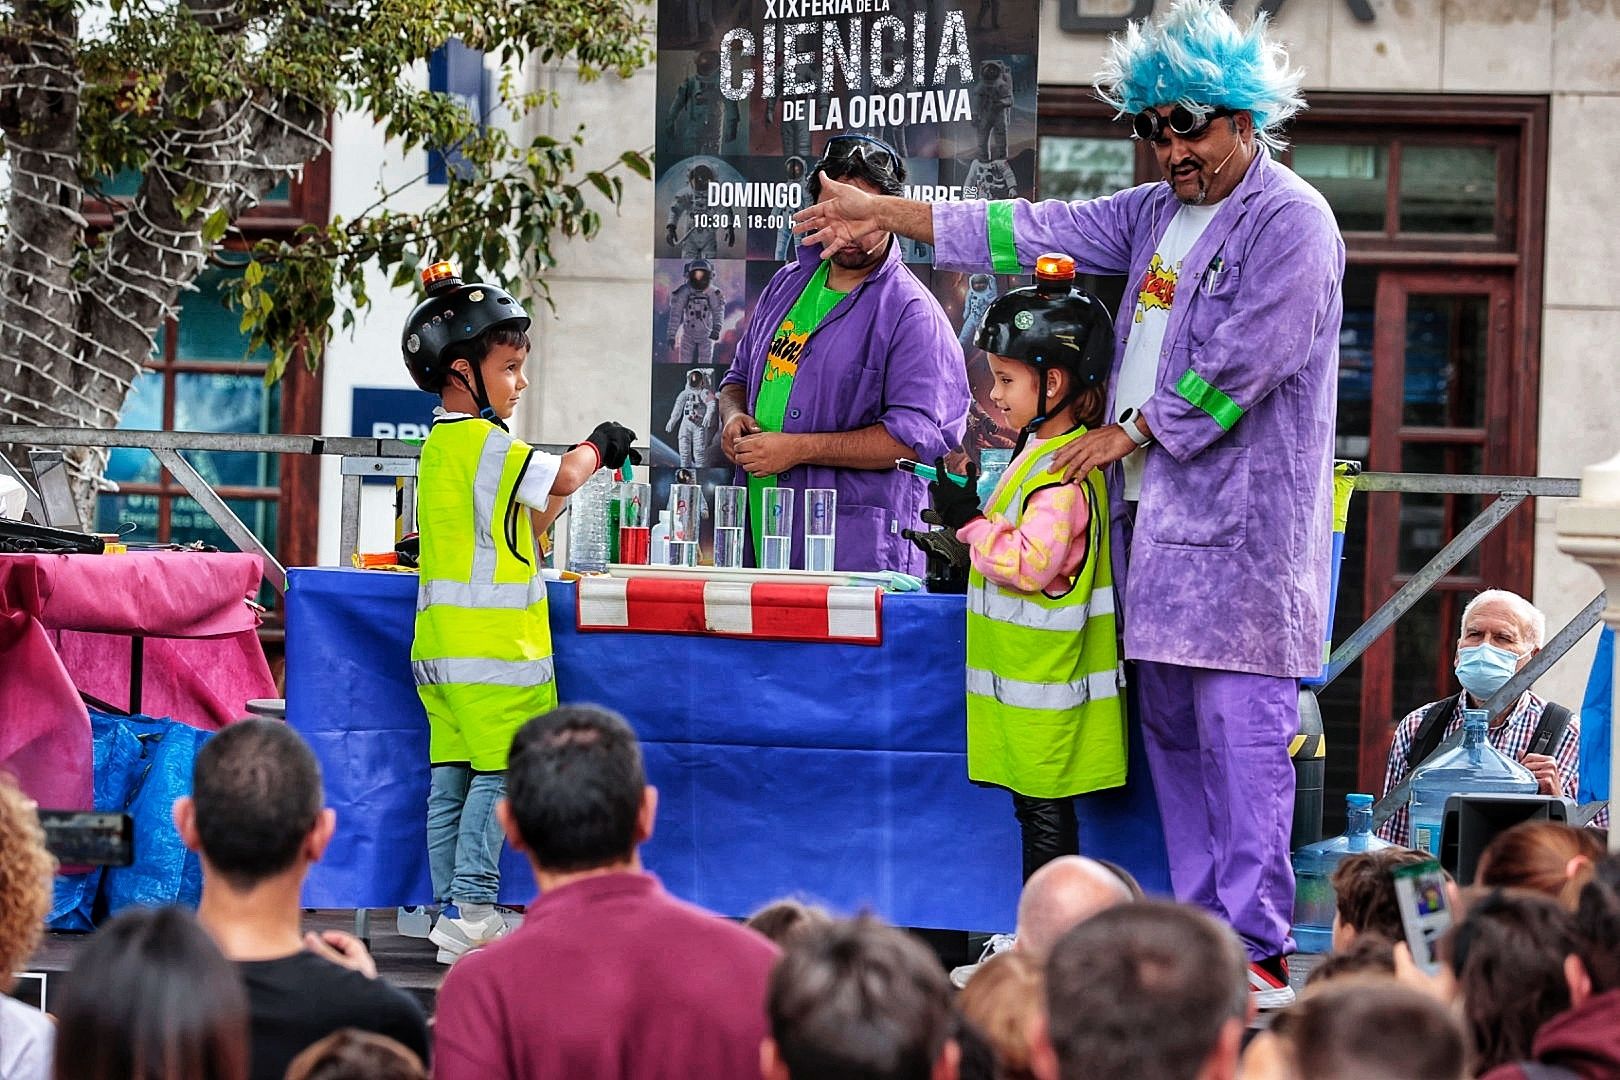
point(1149, 126)
point(843, 149)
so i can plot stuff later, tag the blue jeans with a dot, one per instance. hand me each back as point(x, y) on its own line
point(464, 837)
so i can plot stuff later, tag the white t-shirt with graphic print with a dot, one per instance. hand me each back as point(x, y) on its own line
point(1138, 371)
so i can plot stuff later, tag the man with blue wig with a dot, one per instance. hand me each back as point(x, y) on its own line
point(1220, 462)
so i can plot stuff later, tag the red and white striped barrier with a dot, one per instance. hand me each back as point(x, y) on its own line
point(846, 614)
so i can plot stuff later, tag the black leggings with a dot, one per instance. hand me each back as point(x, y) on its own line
point(1049, 829)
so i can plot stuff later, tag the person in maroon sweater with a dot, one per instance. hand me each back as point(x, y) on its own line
point(609, 976)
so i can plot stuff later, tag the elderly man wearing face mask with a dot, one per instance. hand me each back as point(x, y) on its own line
point(1501, 631)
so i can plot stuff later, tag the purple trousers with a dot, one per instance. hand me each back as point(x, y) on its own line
point(1217, 743)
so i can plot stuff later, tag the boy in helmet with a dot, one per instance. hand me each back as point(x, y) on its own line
point(1044, 716)
point(482, 650)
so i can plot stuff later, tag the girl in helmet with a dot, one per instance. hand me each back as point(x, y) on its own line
point(1044, 715)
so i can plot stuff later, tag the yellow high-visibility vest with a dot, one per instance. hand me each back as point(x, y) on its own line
point(482, 650)
point(1044, 714)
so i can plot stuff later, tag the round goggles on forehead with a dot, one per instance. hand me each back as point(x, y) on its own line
point(842, 149)
point(1149, 126)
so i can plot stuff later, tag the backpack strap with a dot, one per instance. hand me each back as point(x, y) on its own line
point(1554, 720)
point(1431, 729)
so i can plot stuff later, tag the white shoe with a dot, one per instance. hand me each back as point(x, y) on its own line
point(457, 937)
point(1266, 990)
point(998, 943)
point(415, 922)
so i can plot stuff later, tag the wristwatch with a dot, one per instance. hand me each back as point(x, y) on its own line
point(1127, 421)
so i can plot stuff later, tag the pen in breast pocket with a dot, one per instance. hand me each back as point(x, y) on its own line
point(1213, 274)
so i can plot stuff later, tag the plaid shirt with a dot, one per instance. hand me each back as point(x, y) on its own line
point(1512, 738)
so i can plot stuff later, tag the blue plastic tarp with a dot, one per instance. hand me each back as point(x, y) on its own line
point(141, 765)
point(836, 772)
point(1597, 721)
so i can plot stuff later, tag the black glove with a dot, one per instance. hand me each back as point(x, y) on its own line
point(955, 504)
point(612, 442)
point(939, 545)
point(669, 235)
point(714, 335)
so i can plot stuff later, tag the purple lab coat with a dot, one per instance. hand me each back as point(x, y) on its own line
point(886, 354)
point(1229, 561)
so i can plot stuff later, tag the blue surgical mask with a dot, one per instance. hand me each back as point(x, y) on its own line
point(1483, 669)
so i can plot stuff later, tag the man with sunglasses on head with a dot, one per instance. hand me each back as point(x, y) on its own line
point(1220, 461)
point(845, 365)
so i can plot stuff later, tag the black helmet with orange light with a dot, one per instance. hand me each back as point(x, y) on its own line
point(1051, 323)
point(453, 314)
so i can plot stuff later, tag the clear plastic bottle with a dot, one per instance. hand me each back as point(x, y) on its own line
point(588, 524)
point(1474, 767)
point(1314, 899)
point(660, 540)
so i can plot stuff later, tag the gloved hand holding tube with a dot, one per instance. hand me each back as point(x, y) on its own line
point(612, 442)
point(955, 503)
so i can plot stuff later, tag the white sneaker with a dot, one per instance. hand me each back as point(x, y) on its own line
point(456, 937)
point(416, 922)
point(998, 943)
point(1266, 990)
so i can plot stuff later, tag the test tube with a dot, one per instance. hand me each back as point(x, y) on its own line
point(730, 523)
point(776, 533)
point(820, 526)
point(685, 517)
point(635, 530)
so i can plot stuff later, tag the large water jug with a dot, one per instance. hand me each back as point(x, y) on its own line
point(588, 551)
point(1314, 900)
point(1474, 767)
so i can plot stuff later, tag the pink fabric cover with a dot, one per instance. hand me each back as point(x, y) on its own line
point(65, 625)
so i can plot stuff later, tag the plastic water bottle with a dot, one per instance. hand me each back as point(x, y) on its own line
point(992, 465)
point(588, 524)
point(1474, 767)
point(1314, 899)
point(660, 540)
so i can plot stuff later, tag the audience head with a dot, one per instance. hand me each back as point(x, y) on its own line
point(977, 1058)
point(576, 796)
point(351, 1054)
point(1153, 991)
point(1362, 1028)
point(1060, 895)
point(858, 1000)
point(784, 921)
point(1517, 965)
point(1003, 1000)
point(255, 806)
point(1368, 955)
point(1597, 925)
point(1364, 888)
point(151, 998)
point(27, 873)
point(1547, 857)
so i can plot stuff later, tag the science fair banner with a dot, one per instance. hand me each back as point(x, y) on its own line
point(749, 91)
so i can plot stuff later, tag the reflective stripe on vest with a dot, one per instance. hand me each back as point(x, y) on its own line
point(1032, 695)
point(484, 672)
point(996, 605)
point(469, 594)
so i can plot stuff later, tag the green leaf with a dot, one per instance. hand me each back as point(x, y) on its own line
point(637, 164)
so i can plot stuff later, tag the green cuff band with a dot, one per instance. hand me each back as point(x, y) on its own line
point(998, 217)
point(1222, 409)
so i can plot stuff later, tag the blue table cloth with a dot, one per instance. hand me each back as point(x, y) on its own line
point(832, 772)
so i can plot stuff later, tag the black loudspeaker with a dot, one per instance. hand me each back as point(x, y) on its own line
point(1472, 821)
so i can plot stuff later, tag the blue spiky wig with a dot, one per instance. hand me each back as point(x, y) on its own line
point(1197, 55)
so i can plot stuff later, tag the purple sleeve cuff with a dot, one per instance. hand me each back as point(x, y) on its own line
point(961, 241)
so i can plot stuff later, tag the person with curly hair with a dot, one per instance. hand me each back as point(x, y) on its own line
point(27, 1037)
